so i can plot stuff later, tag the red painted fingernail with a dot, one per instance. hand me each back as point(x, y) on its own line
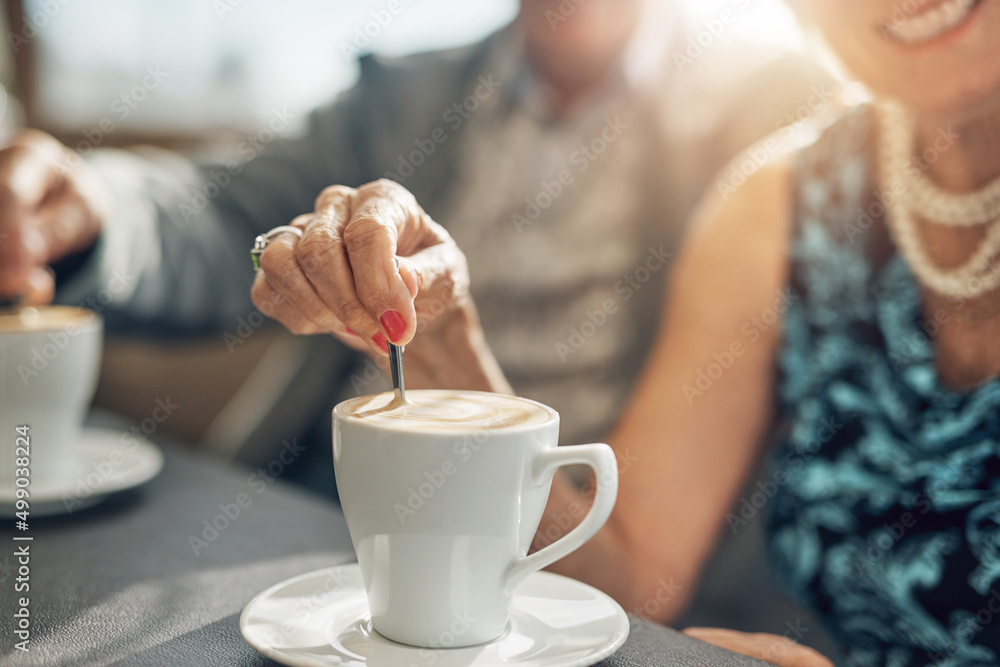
point(393, 324)
point(350, 331)
point(381, 342)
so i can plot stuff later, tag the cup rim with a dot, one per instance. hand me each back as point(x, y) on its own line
point(338, 413)
point(82, 318)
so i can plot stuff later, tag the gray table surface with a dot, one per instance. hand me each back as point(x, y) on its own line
point(121, 584)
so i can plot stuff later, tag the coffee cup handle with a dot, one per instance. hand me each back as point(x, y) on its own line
point(601, 459)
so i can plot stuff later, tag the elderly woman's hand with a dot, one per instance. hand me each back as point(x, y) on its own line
point(341, 276)
point(776, 650)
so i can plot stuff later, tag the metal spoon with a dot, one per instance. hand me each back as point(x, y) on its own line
point(396, 363)
point(396, 368)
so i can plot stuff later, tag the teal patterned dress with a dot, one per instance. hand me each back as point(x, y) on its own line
point(887, 516)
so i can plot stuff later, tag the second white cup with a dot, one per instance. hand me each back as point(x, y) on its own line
point(49, 363)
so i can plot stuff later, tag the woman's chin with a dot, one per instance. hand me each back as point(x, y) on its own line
point(955, 104)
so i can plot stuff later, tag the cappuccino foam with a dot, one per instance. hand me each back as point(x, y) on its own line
point(43, 318)
point(448, 410)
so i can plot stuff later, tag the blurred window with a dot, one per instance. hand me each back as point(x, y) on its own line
point(187, 66)
point(185, 69)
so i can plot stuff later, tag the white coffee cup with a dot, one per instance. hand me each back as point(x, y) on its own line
point(442, 499)
point(49, 362)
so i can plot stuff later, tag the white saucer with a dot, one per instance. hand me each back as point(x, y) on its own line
point(102, 464)
point(321, 618)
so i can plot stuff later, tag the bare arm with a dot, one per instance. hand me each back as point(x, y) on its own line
point(690, 434)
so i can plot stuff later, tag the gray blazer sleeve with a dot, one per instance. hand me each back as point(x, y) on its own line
point(174, 252)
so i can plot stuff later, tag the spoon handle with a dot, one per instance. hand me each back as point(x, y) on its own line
point(396, 366)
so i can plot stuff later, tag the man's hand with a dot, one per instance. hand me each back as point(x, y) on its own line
point(780, 651)
point(341, 276)
point(47, 210)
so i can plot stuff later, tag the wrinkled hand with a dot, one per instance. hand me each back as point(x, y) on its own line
point(780, 651)
point(50, 206)
point(341, 276)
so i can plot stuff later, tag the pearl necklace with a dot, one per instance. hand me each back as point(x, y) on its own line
point(907, 191)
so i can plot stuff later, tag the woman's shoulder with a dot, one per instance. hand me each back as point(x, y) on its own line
point(759, 191)
point(742, 233)
point(807, 146)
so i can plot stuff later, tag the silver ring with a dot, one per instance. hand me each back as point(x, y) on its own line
point(260, 243)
